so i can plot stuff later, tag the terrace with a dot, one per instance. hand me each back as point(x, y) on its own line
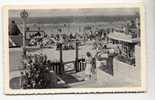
point(123, 37)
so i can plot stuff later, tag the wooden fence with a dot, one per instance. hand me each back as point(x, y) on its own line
point(56, 67)
point(80, 66)
point(59, 69)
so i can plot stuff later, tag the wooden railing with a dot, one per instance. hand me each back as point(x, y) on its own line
point(81, 65)
point(56, 67)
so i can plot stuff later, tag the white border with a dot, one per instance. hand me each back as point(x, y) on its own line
point(7, 90)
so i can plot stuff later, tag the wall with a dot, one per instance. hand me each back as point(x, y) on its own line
point(15, 59)
point(126, 72)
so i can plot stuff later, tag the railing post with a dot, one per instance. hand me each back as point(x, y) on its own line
point(61, 61)
point(76, 58)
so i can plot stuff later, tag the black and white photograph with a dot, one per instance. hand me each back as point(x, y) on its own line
point(80, 48)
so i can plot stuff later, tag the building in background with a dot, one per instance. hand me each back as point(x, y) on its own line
point(126, 36)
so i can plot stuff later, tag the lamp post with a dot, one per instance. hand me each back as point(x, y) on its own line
point(24, 16)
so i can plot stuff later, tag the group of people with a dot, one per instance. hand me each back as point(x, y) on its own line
point(37, 73)
point(102, 58)
point(90, 69)
point(42, 41)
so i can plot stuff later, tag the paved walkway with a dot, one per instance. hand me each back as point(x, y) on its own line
point(76, 80)
point(103, 80)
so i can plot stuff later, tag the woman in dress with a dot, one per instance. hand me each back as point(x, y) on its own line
point(88, 69)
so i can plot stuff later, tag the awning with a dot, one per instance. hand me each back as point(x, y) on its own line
point(123, 37)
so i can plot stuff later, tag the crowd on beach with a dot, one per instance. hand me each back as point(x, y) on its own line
point(44, 40)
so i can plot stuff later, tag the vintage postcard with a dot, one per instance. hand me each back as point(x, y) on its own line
point(93, 48)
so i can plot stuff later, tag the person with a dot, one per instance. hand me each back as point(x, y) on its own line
point(22, 80)
point(88, 69)
point(93, 69)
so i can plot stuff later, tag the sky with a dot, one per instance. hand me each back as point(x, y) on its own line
point(77, 12)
